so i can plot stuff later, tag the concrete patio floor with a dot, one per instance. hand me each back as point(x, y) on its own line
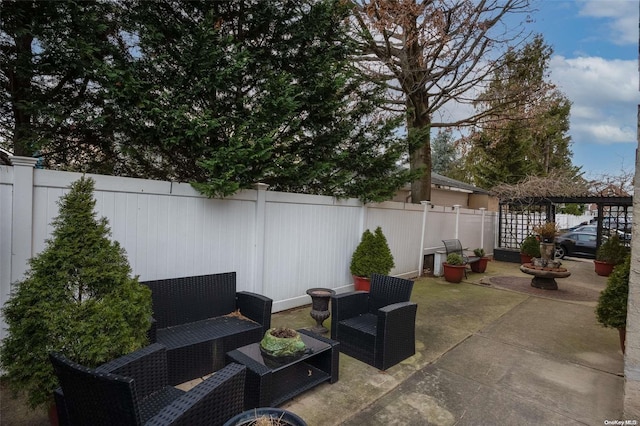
point(485, 355)
point(490, 351)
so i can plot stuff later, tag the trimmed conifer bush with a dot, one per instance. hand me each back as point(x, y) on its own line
point(530, 246)
point(372, 255)
point(611, 310)
point(78, 298)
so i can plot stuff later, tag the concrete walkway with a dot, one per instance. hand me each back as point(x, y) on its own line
point(486, 356)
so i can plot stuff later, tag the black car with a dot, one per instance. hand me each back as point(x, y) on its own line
point(579, 244)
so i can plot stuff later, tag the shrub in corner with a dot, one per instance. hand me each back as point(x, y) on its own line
point(611, 310)
point(78, 298)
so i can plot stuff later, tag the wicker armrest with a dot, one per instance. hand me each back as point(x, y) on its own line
point(256, 307)
point(153, 331)
point(147, 367)
point(211, 402)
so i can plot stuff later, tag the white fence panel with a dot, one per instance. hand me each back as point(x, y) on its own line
point(279, 244)
point(6, 206)
point(308, 243)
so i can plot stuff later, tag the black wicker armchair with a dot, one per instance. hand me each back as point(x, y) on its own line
point(378, 327)
point(133, 390)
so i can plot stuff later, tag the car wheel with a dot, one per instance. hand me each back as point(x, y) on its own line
point(561, 252)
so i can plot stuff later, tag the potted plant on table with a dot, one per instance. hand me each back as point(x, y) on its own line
point(481, 264)
point(78, 298)
point(611, 253)
point(547, 234)
point(611, 310)
point(454, 268)
point(529, 249)
point(371, 256)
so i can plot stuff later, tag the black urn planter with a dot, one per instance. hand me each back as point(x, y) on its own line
point(278, 416)
point(320, 307)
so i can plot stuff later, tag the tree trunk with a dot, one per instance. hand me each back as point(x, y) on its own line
point(418, 125)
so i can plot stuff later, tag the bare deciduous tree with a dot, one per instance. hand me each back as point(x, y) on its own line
point(430, 53)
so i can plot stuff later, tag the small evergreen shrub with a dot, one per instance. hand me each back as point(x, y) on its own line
point(78, 298)
point(530, 246)
point(612, 251)
point(372, 255)
point(454, 259)
point(479, 252)
point(611, 310)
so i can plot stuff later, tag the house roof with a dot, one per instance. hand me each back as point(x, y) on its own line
point(444, 182)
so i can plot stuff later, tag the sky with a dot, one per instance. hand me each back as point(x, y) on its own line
point(595, 65)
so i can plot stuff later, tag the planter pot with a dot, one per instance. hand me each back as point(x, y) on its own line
point(525, 258)
point(361, 283)
point(453, 273)
point(279, 417)
point(53, 414)
point(603, 269)
point(480, 265)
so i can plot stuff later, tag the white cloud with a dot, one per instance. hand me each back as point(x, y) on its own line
point(604, 95)
point(621, 18)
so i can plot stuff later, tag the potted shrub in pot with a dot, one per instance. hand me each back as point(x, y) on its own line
point(480, 265)
point(611, 253)
point(611, 310)
point(78, 298)
point(454, 268)
point(371, 256)
point(529, 249)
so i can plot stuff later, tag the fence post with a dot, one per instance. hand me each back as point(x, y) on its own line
point(457, 209)
point(482, 209)
point(21, 216)
point(261, 201)
point(425, 205)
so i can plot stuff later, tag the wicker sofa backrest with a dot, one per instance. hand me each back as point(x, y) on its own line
point(386, 290)
point(93, 398)
point(189, 299)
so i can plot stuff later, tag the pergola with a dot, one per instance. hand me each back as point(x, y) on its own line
point(518, 216)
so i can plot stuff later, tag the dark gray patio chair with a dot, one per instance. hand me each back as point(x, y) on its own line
point(378, 327)
point(133, 390)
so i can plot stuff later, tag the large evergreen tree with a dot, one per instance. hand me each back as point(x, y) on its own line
point(59, 61)
point(521, 136)
point(220, 93)
point(236, 92)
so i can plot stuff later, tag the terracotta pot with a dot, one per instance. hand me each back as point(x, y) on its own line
point(453, 273)
point(525, 258)
point(361, 283)
point(480, 265)
point(53, 414)
point(603, 269)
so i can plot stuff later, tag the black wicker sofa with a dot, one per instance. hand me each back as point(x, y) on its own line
point(199, 319)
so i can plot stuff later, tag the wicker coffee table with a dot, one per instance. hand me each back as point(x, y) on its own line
point(269, 385)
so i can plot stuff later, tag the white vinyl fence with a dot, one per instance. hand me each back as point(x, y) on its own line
point(280, 244)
